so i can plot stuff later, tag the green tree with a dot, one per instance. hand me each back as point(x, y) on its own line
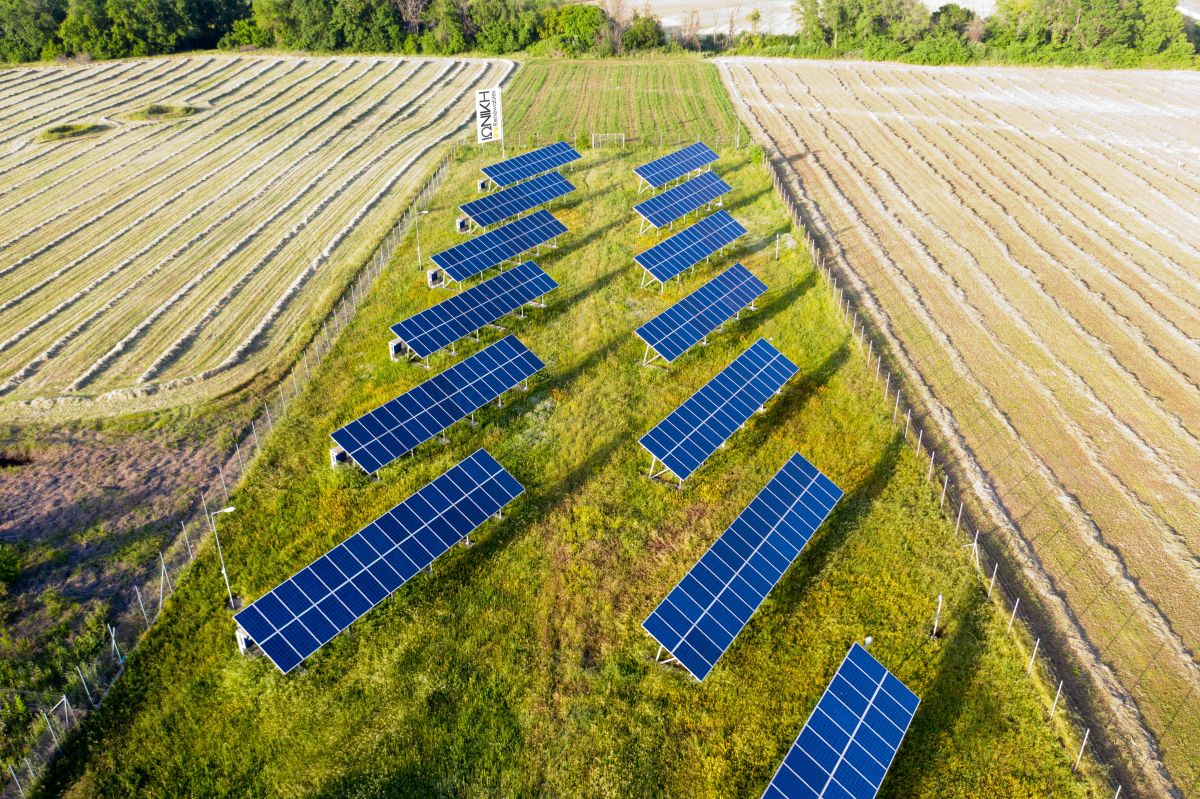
point(28, 28)
point(1160, 32)
point(445, 33)
point(146, 27)
point(85, 29)
point(503, 26)
point(577, 26)
point(643, 33)
point(812, 27)
point(952, 17)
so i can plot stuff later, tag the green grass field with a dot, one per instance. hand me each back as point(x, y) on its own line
point(518, 667)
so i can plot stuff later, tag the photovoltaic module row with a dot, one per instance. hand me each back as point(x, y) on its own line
point(397, 427)
point(493, 208)
point(687, 322)
point(851, 737)
point(703, 614)
point(698, 427)
point(301, 614)
point(534, 162)
point(672, 166)
point(688, 247)
point(497, 246)
point(450, 320)
point(665, 208)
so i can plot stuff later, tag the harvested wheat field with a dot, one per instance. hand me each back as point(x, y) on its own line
point(172, 228)
point(1027, 240)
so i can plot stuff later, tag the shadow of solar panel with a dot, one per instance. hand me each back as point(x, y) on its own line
point(534, 162)
point(694, 430)
point(703, 614)
point(452, 319)
point(680, 327)
point(397, 427)
point(689, 246)
point(497, 246)
point(493, 208)
point(662, 171)
point(673, 203)
point(851, 738)
point(301, 614)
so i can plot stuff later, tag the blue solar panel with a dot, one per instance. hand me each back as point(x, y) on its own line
point(448, 321)
point(493, 208)
point(689, 246)
point(397, 427)
point(662, 171)
point(852, 736)
point(694, 430)
point(677, 329)
point(497, 246)
point(703, 614)
point(673, 203)
point(297, 617)
point(534, 162)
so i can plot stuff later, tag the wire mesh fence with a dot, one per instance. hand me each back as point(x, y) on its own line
point(84, 688)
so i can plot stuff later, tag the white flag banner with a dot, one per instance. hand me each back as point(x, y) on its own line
point(488, 124)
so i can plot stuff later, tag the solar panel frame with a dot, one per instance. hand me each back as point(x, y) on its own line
point(517, 199)
point(691, 433)
point(497, 246)
point(304, 612)
point(679, 328)
point(402, 424)
point(671, 256)
point(663, 209)
point(708, 608)
point(661, 171)
point(535, 162)
point(441, 325)
point(881, 720)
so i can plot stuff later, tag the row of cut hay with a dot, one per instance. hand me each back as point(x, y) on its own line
point(163, 236)
point(277, 308)
point(969, 380)
point(222, 143)
point(117, 144)
point(42, 116)
point(180, 343)
point(126, 342)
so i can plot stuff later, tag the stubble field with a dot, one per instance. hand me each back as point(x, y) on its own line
point(166, 256)
point(1027, 239)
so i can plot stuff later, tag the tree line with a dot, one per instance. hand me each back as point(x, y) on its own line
point(1107, 32)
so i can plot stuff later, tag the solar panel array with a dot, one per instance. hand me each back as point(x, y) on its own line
point(301, 614)
point(662, 209)
point(397, 427)
point(662, 171)
point(680, 327)
point(493, 208)
point(497, 246)
point(703, 614)
point(534, 162)
point(445, 323)
point(690, 246)
point(852, 736)
point(694, 430)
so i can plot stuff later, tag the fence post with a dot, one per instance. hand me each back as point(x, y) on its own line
point(86, 690)
point(1054, 705)
point(187, 541)
point(992, 584)
point(1013, 617)
point(1079, 757)
point(1029, 668)
point(142, 606)
point(58, 746)
point(17, 781)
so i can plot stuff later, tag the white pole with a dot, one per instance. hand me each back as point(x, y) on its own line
point(937, 617)
point(1013, 617)
point(1079, 757)
point(86, 690)
point(992, 584)
point(1057, 694)
point(58, 746)
point(1029, 668)
point(143, 607)
point(221, 557)
point(17, 781)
